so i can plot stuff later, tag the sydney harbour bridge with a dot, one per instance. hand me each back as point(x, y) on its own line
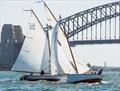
point(98, 25)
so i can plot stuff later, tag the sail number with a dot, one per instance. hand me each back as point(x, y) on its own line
point(32, 26)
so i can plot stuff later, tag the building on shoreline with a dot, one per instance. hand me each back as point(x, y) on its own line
point(12, 39)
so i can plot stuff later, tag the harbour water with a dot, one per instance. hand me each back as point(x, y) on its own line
point(9, 81)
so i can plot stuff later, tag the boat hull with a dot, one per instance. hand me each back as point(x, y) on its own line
point(69, 78)
point(84, 78)
point(41, 77)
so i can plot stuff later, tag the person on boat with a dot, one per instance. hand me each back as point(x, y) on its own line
point(93, 69)
point(89, 65)
point(100, 71)
point(42, 72)
point(31, 73)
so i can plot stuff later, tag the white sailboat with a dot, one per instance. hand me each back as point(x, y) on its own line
point(58, 64)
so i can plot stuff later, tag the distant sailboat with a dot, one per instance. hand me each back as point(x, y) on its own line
point(53, 63)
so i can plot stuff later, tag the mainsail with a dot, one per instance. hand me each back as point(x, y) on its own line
point(34, 50)
point(60, 53)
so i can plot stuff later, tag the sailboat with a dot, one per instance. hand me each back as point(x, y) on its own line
point(42, 59)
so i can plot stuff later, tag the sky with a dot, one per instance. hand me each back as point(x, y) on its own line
point(11, 12)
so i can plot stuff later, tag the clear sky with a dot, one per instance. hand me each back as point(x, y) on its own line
point(11, 13)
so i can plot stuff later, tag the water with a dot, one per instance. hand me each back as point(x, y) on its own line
point(9, 81)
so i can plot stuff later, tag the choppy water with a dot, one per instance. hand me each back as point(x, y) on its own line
point(9, 81)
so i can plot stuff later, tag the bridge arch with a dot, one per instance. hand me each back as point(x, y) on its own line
point(85, 19)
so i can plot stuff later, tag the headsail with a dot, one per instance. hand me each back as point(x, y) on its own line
point(32, 53)
point(55, 66)
point(60, 53)
point(46, 63)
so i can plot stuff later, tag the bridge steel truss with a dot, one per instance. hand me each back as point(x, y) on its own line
point(81, 21)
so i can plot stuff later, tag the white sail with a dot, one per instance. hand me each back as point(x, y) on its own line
point(60, 55)
point(50, 19)
point(82, 68)
point(66, 58)
point(55, 67)
point(46, 63)
point(31, 54)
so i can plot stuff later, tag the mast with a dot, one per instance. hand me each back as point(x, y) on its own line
point(65, 36)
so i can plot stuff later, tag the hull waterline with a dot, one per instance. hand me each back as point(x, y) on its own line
point(70, 78)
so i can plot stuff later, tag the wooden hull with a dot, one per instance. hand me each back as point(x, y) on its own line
point(69, 78)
